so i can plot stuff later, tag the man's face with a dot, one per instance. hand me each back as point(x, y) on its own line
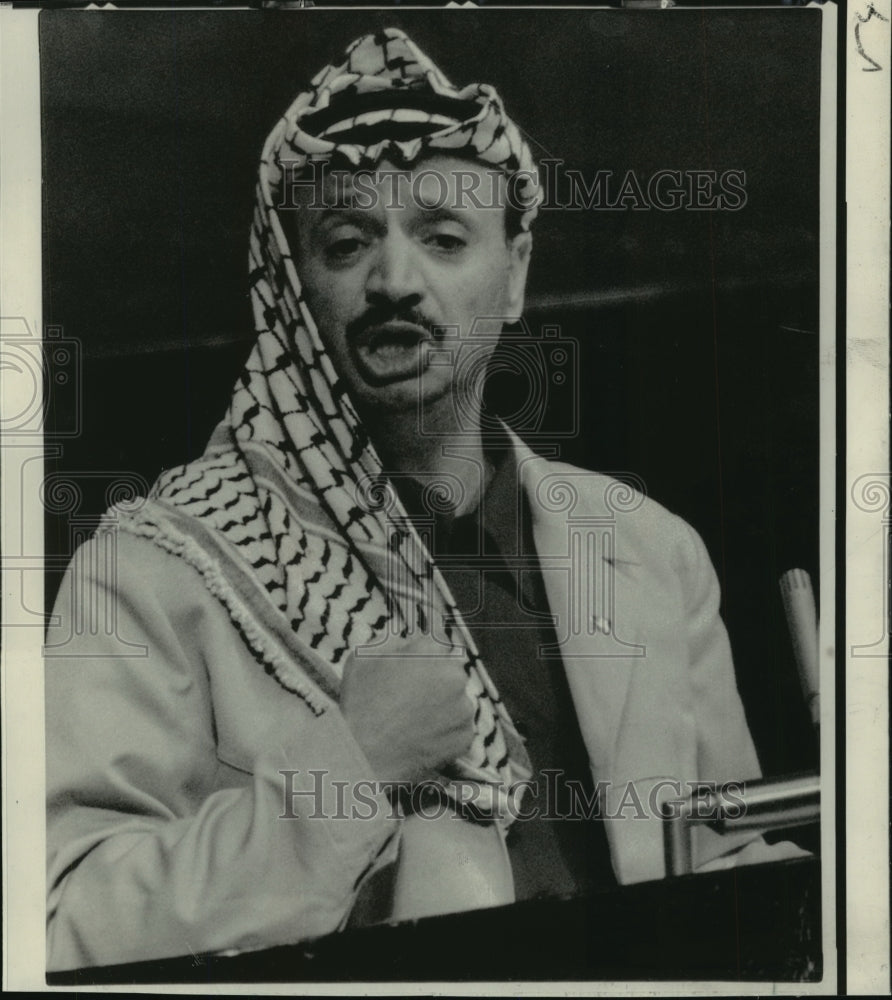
point(401, 265)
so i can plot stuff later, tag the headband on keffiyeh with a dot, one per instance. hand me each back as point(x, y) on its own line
point(288, 515)
point(388, 100)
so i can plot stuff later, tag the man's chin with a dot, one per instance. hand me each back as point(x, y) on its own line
point(410, 397)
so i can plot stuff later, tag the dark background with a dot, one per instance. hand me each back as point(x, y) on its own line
point(696, 332)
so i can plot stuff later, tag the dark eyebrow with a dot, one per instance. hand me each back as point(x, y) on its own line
point(347, 216)
point(438, 213)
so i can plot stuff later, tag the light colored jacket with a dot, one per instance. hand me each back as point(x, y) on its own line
point(171, 827)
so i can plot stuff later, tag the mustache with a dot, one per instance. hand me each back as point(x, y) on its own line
point(378, 315)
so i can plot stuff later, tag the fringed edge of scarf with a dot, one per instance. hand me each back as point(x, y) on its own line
point(283, 669)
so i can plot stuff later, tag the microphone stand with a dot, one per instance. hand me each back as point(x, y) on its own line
point(767, 804)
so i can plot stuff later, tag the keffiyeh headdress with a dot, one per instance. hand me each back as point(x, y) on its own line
point(288, 515)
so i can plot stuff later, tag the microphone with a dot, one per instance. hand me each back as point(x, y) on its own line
point(799, 606)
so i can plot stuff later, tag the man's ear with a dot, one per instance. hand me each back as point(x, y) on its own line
point(519, 249)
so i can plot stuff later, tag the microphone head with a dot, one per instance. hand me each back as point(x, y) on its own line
point(798, 598)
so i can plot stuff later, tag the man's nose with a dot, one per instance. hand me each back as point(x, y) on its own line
point(395, 274)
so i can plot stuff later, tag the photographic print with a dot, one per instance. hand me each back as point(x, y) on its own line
point(435, 482)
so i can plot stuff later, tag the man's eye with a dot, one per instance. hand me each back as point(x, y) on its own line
point(447, 242)
point(344, 247)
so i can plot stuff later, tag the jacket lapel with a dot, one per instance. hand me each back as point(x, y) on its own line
point(578, 567)
point(618, 618)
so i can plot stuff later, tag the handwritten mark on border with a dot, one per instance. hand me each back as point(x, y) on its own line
point(871, 12)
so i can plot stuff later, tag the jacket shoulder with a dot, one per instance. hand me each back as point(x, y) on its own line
point(588, 493)
point(644, 531)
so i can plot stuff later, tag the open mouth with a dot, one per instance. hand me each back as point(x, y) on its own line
point(391, 351)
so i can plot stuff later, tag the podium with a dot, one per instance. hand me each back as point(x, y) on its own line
point(756, 924)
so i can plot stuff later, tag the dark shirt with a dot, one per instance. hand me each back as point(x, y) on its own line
point(488, 559)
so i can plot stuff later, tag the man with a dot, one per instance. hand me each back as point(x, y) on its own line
point(313, 592)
